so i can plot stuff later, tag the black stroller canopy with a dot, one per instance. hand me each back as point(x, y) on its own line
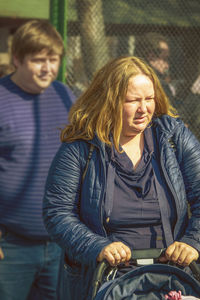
point(150, 282)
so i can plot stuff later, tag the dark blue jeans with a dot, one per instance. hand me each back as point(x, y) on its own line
point(29, 270)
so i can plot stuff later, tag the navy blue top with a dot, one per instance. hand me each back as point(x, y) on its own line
point(134, 217)
point(29, 139)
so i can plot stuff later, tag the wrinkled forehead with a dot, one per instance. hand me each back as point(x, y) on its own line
point(140, 82)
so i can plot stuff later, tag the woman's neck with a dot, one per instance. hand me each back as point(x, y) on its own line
point(133, 146)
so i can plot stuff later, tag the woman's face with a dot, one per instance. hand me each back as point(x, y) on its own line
point(139, 105)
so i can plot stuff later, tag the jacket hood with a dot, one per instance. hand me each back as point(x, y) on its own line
point(165, 125)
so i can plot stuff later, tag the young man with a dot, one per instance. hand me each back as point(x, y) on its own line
point(153, 47)
point(34, 106)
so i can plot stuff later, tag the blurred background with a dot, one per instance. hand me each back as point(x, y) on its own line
point(166, 33)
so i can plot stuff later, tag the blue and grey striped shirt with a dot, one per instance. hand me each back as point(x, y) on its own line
point(29, 139)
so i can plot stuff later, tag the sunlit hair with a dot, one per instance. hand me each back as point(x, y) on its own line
point(99, 110)
point(34, 36)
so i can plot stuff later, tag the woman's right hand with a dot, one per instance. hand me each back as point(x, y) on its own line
point(115, 253)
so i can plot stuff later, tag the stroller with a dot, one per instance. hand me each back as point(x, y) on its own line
point(147, 282)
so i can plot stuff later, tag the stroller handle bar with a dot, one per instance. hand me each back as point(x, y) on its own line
point(146, 253)
point(136, 254)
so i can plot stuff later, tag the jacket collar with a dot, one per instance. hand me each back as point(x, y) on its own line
point(166, 126)
point(97, 143)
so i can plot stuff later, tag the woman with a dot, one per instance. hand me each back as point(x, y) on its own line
point(137, 185)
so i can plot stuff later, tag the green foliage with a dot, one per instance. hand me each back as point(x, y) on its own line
point(24, 8)
point(162, 12)
point(158, 12)
point(72, 11)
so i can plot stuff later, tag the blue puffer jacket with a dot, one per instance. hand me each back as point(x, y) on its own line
point(73, 211)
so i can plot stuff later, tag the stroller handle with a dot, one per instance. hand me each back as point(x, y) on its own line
point(136, 254)
point(146, 253)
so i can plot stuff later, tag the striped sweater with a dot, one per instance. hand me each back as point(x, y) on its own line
point(29, 139)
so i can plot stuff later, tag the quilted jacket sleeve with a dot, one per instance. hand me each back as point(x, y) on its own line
point(61, 207)
point(190, 168)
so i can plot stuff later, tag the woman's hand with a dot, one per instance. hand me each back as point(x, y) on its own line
point(115, 253)
point(180, 253)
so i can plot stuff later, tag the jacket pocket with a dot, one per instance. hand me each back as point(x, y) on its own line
point(72, 271)
point(70, 282)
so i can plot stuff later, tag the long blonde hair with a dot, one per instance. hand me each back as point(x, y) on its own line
point(99, 110)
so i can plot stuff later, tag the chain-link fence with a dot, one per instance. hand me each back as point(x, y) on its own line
point(166, 33)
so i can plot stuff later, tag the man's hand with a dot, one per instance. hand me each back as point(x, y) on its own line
point(1, 252)
point(115, 253)
point(180, 253)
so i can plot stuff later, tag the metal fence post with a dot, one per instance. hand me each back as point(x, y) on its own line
point(58, 18)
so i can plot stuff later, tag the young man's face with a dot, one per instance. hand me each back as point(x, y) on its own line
point(161, 63)
point(36, 72)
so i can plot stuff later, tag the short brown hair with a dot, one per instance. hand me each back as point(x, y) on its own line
point(34, 36)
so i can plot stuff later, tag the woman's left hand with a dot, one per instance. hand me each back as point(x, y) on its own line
point(115, 253)
point(180, 253)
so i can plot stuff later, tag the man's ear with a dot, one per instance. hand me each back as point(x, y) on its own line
point(16, 61)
